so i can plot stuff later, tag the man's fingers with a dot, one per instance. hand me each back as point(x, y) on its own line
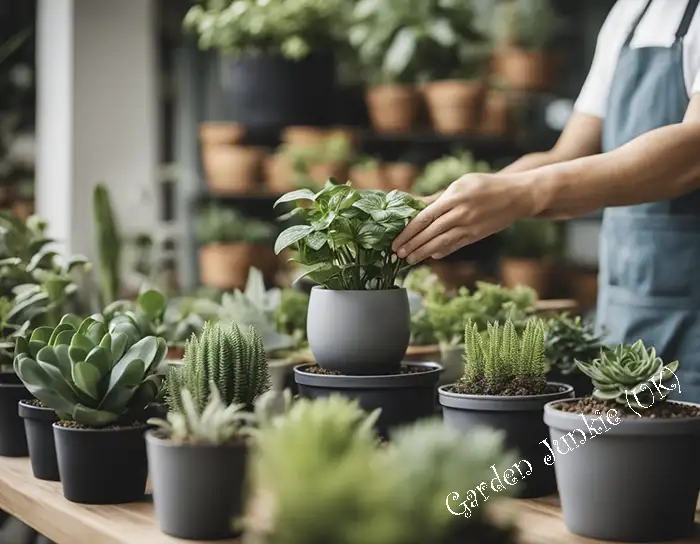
point(441, 225)
point(420, 222)
point(445, 244)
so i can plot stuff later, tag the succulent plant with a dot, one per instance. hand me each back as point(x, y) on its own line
point(568, 339)
point(216, 425)
point(627, 375)
point(89, 373)
point(500, 361)
point(291, 313)
point(109, 243)
point(233, 360)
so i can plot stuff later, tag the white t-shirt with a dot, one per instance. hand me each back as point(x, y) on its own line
point(657, 29)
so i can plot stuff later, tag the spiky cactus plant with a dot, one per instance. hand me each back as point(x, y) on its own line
point(499, 361)
point(109, 243)
point(233, 360)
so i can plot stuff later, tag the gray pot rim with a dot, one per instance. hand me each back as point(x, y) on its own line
point(153, 438)
point(131, 429)
point(427, 378)
point(495, 403)
point(321, 288)
point(629, 426)
point(42, 413)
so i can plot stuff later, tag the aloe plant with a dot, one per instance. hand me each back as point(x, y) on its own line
point(233, 360)
point(109, 243)
point(88, 372)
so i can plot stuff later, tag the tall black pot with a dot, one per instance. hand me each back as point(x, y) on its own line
point(13, 439)
point(267, 91)
point(38, 424)
point(102, 466)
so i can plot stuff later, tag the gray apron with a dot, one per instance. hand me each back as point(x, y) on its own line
point(649, 286)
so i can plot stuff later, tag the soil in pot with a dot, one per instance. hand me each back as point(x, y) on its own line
point(454, 106)
point(232, 169)
point(101, 466)
point(13, 439)
point(197, 489)
point(535, 273)
point(401, 175)
point(221, 133)
point(38, 425)
point(225, 266)
point(527, 70)
point(393, 108)
point(405, 396)
point(641, 465)
point(519, 417)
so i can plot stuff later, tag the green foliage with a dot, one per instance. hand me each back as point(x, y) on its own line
point(502, 360)
point(440, 173)
point(8, 334)
point(247, 28)
point(334, 149)
point(568, 339)
point(498, 303)
point(216, 425)
point(625, 375)
point(291, 313)
point(233, 360)
point(404, 41)
point(346, 235)
point(527, 24)
point(216, 224)
point(109, 242)
point(395, 493)
point(533, 239)
point(89, 373)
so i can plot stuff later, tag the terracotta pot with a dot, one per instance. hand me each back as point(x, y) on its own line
point(401, 175)
point(496, 119)
point(393, 108)
point(422, 353)
point(23, 209)
point(527, 70)
point(279, 174)
point(454, 106)
point(175, 353)
point(584, 288)
point(456, 274)
point(369, 178)
point(304, 136)
point(535, 273)
point(233, 169)
point(225, 266)
point(264, 259)
point(321, 171)
point(219, 133)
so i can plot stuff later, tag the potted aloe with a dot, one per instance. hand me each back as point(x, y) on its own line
point(642, 447)
point(504, 386)
point(358, 324)
point(99, 381)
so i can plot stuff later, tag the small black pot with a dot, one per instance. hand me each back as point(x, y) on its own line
point(578, 380)
point(13, 439)
point(197, 489)
point(102, 466)
point(268, 91)
point(38, 424)
point(521, 420)
point(403, 398)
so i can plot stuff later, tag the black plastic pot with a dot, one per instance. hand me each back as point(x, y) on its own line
point(269, 91)
point(580, 382)
point(38, 425)
point(625, 479)
point(197, 489)
point(403, 398)
point(13, 439)
point(102, 466)
point(350, 106)
point(521, 420)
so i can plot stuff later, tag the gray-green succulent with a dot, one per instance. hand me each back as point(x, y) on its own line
point(88, 372)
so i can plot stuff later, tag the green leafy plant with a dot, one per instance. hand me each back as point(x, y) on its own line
point(526, 24)
point(232, 359)
point(440, 173)
point(291, 313)
point(495, 302)
point(533, 239)
point(334, 149)
point(625, 375)
point(216, 224)
point(568, 339)
point(89, 373)
point(109, 242)
point(345, 241)
point(502, 362)
point(249, 28)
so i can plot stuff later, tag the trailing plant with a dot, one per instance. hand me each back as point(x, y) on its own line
point(291, 314)
point(526, 24)
point(109, 243)
point(232, 359)
point(249, 28)
point(345, 241)
point(216, 224)
point(533, 239)
point(440, 173)
point(568, 339)
point(90, 373)
point(502, 362)
point(627, 374)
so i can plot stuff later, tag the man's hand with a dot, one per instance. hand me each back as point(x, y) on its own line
point(470, 209)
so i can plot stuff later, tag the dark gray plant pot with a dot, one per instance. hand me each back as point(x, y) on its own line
point(521, 420)
point(403, 398)
point(637, 481)
point(578, 380)
point(197, 489)
point(359, 332)
point(38, 425)
point(13, 439)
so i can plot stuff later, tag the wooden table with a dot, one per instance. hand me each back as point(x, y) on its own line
point(41, 505)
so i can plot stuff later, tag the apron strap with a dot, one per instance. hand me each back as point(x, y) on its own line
point(636, 23)
point(687, 19)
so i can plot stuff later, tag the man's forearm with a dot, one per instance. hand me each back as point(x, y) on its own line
point(530, 162)
point(659, 165)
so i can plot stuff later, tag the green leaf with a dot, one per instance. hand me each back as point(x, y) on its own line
point(86, 377)
point(91, 417)
point(77, 354)
point(152, 302)
point(291, 236)
point(72, 320)
point(100, 358)
point(299, 194)
point(96, 332)
point(123, 385)
point(64, 337)
point(82, 342)
point(119, 344)
point(85, 325)
point(41, 334)
point(316, 240)
point(401, 51)
point(61, 327)
point(77, 261)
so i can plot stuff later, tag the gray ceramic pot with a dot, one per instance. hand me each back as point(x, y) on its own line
point(637, 481)
point(403, 398)
point(197, 490)
point(521, 420)
point(359, 332)
point(452, 360)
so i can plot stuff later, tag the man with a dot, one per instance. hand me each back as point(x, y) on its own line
point(640, 107)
